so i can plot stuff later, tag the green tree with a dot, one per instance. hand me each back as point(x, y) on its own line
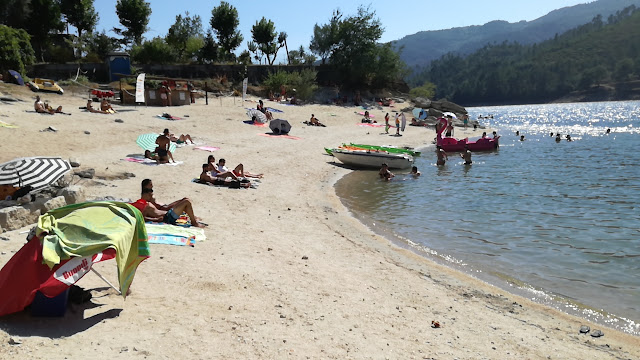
point(356, 46)
point(14, 13)
point(44, 18)
point(325, 37)
point(80, 13)
point(134, 17)
point(301, 57)
point(100, 44)
point(624, 69)
point(244, 58)
point(156, 51)
point(224, 21)
point(185, 35)
point(427, 91)
point(15, 49)
point(208, 53)
point(264, 35)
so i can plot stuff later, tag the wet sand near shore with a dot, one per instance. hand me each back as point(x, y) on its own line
point(286, 271)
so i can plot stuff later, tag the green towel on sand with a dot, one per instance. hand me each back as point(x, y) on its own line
point(87, 228)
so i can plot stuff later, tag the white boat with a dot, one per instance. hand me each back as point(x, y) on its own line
point(373, 159)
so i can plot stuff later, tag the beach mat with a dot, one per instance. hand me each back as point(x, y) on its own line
point(169, 239)
point(362, 113)
point(254, 183)
point(207, 148)
point(371, 124)
point(7, 125)
point(146, 161)
point(280, 136)
point(274, 110)
point(168, 117)
point(157, 229)
point(251, 122)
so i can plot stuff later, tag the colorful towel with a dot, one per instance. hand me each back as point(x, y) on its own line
point(179, 231)
point(168, 117)
point(371, 124)
point(371, 116)
point(10, 126)
point(170, 239)
point(281, 136)
point(150, 162)
point(85, 229)
point(207, 148)
point(251, 122)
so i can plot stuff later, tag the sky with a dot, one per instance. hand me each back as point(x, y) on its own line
point(297, 18)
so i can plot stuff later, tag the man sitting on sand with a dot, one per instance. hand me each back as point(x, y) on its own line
point(233, 183)
point(163, 142)
point(39, 107)
point(151, 212)
point(51, 110)
point(91, 109)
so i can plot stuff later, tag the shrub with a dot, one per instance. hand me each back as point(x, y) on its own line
point(304, 82)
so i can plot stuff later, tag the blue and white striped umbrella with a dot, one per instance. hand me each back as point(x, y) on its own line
point(148, 142)
point(39, 172)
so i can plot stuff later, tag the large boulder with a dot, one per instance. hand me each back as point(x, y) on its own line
point(15, 217)
point(73, 194)
point(422, 102)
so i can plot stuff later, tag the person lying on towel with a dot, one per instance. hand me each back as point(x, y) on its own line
point(205, 178)
point(146, 205)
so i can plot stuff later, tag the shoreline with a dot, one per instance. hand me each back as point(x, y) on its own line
point(286, 270)
point(477, 272)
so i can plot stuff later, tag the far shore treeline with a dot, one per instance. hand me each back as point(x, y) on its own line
point(598, 57)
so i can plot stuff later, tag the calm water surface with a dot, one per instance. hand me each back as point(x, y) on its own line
point(557, 222)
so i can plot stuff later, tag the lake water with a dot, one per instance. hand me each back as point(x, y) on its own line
point(558, 222)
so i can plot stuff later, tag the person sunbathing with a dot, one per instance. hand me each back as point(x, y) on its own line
point(182, 139)
point(206, 178)
point(216, 173)
point(39, 107)
point(151, 212)
point(51, 110)
point(106, 107)
point(313, 121)
point(91, 109)
point(237, 171)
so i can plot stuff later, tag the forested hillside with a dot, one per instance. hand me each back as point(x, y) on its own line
point(419, 49)
point(594, 53)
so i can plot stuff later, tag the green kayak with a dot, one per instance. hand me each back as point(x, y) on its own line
point(392, 150)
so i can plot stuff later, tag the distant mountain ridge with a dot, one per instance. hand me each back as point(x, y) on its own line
point(423, 47)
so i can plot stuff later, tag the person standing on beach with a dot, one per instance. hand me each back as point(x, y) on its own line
point(398, 124)
point(386, 123)
point(442, 156)
point(465, 120)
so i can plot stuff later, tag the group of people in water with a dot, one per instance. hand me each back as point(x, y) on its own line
point(387, 175)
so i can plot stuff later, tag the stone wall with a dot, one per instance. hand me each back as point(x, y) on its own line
point(14, 216)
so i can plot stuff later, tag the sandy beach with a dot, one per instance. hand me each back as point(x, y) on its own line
point(286, 271)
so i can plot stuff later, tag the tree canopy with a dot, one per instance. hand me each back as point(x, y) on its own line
point(224, 21)
point(185, 36)
point(134, 17)
point(588, 55)
point(15, 49)
point(267, 41)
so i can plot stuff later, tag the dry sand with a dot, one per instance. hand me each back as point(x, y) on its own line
point(286, 271)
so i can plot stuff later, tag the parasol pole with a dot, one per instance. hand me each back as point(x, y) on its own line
point(105, 280)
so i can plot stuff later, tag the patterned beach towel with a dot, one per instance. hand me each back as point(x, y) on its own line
point(207, 148)
point(281, 136)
